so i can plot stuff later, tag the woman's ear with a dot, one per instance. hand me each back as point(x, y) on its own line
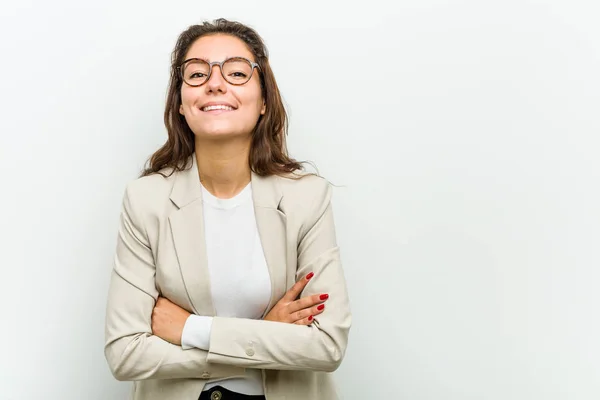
point(263, 109)
point(181, 109)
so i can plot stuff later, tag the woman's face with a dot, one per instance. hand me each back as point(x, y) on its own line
point(246, 100)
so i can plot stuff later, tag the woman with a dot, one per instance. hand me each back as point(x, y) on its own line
point(227, 282)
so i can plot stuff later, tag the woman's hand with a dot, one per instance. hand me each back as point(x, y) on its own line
point(168, 320)
point(299, 312)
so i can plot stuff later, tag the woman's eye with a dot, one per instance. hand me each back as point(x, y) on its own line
point(197, 75)
point(238, 74)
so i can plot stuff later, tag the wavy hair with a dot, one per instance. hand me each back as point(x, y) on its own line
point(268, 150)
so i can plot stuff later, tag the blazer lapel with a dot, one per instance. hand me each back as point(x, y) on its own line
point(271, 223)
point(187, 228)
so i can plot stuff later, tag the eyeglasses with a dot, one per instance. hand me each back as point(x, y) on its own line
point(235, 70)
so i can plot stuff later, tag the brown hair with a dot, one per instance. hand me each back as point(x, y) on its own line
point(268, 151)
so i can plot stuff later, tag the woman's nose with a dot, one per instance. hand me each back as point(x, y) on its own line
point(216, 81)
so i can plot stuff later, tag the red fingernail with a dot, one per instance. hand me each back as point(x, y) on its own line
point(324, 297)
point(310, 276)
point(322, 306)
point(310, 318)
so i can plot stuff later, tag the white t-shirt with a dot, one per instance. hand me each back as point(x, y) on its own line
point(239, 278)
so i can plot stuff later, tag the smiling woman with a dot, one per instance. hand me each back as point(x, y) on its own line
point(228, 103)
point(259, 110)
point(227, 255)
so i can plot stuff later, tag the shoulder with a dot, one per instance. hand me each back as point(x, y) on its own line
point(305, 194)
point(305, 186)
point(150, 190)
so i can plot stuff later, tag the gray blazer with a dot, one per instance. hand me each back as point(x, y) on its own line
point(161, 251)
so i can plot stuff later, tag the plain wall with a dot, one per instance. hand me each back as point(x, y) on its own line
point(464, 136)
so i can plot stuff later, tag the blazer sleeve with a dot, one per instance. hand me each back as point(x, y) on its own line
point(132, 351)
point(273, 345)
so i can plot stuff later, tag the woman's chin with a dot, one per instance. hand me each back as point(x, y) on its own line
point(220, 133)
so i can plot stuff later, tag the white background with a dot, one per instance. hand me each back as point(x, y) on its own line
point(464, 134)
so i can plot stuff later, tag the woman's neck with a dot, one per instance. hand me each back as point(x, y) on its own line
point(223, 166)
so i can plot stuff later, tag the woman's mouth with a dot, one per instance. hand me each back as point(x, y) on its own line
point(217, 108)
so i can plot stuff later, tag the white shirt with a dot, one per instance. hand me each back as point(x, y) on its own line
point(239, 277)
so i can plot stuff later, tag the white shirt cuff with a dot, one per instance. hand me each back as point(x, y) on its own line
point(196, 332)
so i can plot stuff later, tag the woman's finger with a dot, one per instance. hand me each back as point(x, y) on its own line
point(307, 302)
point(307, 312)
point(305, 321)
point(295, 290)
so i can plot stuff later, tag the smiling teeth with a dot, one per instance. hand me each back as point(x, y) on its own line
point(219, 107)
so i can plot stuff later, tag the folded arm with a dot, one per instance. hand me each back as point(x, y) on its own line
point(273, 345)
point(132, 351)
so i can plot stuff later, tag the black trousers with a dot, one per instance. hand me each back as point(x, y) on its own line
point(220, 393)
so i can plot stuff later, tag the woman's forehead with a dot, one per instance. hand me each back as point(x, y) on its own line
point(218, 48)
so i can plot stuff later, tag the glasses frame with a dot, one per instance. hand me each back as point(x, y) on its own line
point(220, 64)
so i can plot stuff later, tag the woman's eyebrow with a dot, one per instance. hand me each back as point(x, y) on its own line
point(198, 58)
point(224, 58)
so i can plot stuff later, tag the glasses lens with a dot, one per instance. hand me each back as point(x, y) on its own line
point(237, 71)
point(195, 72)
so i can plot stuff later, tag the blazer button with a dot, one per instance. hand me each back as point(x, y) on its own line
point(205, 375)
point(250, 352)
